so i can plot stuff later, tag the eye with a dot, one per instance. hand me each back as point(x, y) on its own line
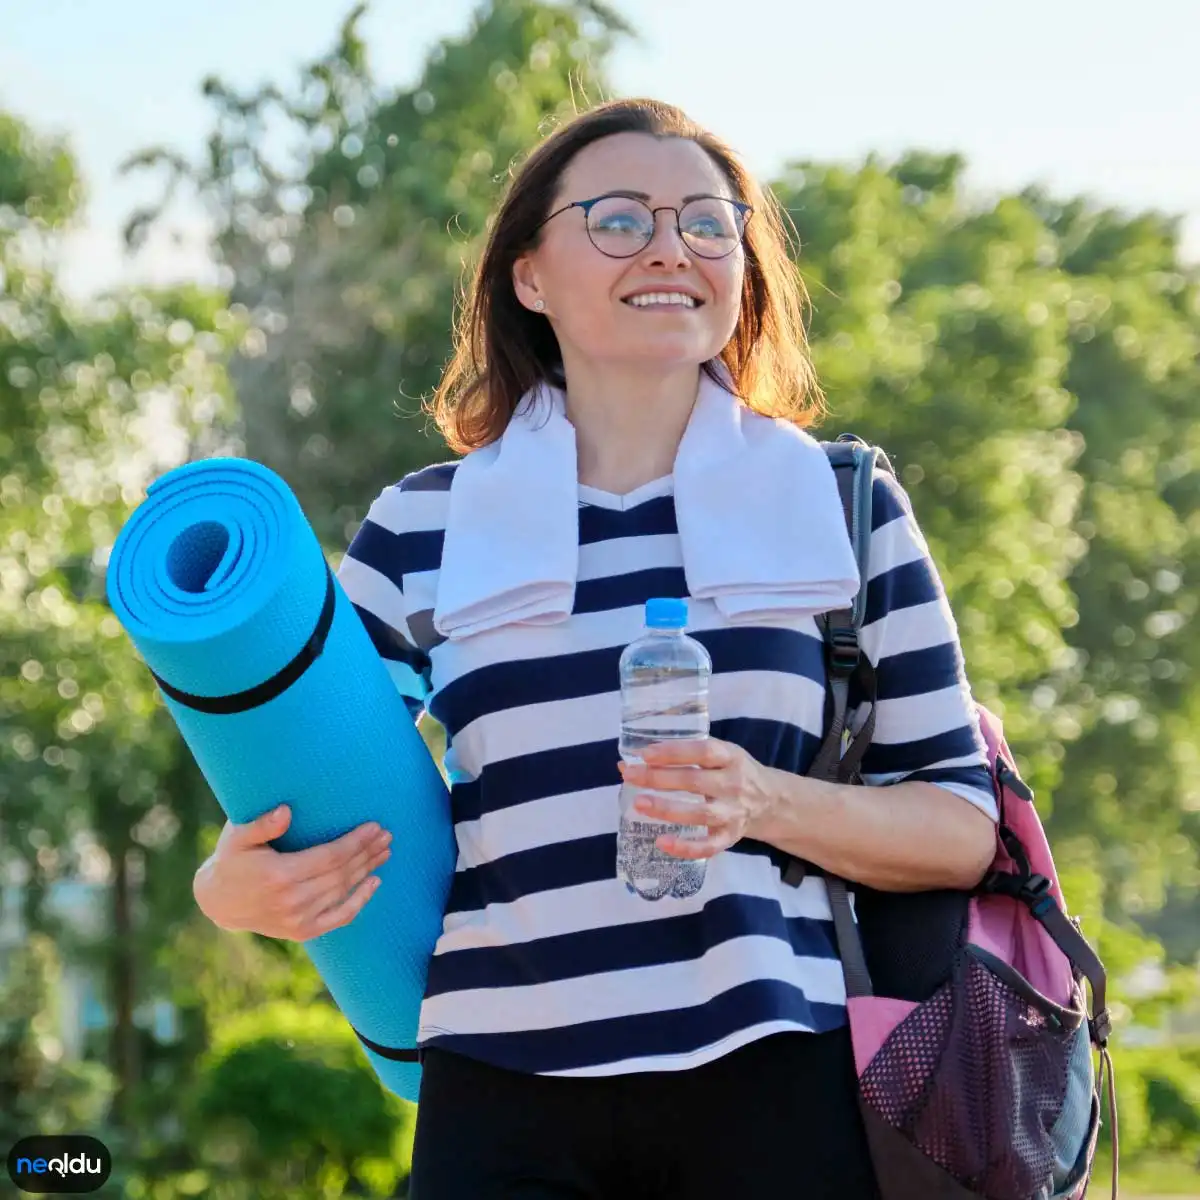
point(710, 218)
point(618, 216)
point(706, 227)
point(617, 222)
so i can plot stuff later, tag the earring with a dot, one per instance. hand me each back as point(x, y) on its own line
point(539, 305)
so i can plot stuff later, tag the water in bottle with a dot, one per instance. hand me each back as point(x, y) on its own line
point(664, 695)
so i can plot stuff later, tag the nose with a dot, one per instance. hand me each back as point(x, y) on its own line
point(667, 247)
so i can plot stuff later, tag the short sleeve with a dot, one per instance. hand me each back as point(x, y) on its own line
point(372, 574)
point(926, 725)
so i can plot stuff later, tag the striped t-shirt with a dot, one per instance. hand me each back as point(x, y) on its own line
point(546, 963)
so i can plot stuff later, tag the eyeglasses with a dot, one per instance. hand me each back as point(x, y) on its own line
point(622, 226)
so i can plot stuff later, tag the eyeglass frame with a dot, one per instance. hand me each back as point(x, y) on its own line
point(745, 209)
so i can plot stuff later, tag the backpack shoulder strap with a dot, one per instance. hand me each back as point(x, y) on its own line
point(854, 464)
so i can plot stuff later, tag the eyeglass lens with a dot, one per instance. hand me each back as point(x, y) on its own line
point(621, 226)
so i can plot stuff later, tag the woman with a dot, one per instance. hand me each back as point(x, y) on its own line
point(629, 394)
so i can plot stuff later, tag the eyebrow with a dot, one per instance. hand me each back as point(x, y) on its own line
point(645, 196)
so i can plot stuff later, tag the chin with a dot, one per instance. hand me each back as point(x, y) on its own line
point(665, 353)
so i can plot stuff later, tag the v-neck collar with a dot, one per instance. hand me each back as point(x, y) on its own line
point(623, 503)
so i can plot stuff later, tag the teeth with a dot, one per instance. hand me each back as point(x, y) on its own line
point(662, 298)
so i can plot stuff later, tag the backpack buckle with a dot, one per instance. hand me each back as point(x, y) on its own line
point(1035, 891)
point(1007, 777)
point(844, 650)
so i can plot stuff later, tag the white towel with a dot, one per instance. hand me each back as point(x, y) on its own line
point(756, 503)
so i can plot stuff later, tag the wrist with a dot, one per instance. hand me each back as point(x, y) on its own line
point(803, 815)
point(776, 818)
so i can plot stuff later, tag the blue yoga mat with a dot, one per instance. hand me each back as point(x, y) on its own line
point(222, 586)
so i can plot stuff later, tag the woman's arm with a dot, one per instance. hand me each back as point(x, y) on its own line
point(904, 837)
point(926, 820)
point(907, 837)
point(926, 817)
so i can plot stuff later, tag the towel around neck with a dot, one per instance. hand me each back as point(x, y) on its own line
point(756, 504)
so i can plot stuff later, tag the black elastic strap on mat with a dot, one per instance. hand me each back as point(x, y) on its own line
point(279, 683)
point(388, 1052)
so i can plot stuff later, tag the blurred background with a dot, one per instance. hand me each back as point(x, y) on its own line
point(242, 230)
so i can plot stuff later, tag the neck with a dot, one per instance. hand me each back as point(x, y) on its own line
point(628, 424)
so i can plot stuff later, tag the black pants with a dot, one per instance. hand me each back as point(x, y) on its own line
point(776, 1118)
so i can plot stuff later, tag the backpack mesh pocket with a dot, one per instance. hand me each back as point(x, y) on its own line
point(976, 1079)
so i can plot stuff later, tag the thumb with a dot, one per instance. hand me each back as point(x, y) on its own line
point(262, 829)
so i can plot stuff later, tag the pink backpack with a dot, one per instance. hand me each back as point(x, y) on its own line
point(971, 1034)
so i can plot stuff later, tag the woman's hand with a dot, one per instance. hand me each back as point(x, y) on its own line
point(297, 895)
point(739, 792)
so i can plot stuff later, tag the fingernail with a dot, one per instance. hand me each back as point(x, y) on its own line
point(387, 837)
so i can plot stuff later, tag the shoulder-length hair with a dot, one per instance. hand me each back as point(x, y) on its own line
point(502, 349)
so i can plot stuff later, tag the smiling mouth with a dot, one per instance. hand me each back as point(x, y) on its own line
point(663, 301)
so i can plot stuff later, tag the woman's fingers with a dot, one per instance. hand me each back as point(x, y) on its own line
point(682, 812)
point(711, 753)
point(710, 782)
point(344, 912)
point(688, 847)
point(318, 861)
point(722, 821)
point(314, 896)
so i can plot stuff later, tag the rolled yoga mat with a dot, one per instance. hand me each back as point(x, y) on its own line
point(272, 679)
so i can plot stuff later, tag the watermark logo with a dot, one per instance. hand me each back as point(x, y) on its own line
point(71, 1162)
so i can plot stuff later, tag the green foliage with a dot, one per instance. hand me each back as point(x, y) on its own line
point(1032, 368)
point(94, 782)
point(349, 268)
point(88, 744)
point(1159, 1101)
point(286, 1095)
point(39, 1090)
point(38, 179)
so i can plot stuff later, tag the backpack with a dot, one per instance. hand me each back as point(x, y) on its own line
point(971, 1035)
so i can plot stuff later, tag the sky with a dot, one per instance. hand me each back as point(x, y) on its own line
point(1097, 97)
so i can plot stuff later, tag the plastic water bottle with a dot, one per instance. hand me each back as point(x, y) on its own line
point(664, 695)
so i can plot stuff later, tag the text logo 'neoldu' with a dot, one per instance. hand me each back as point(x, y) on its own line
point(69, 1162)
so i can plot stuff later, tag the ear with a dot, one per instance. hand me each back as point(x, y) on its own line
point(525, 282)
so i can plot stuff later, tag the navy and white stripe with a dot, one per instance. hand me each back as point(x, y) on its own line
point(546, 964)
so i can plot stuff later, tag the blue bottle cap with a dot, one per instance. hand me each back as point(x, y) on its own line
point(666, 613)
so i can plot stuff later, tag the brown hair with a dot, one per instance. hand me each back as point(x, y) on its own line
point(502, 349)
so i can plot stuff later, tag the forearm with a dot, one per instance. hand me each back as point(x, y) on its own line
point(906, 837)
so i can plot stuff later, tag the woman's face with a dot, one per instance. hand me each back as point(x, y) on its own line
point(587, 294)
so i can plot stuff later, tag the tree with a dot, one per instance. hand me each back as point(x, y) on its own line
point(92, 408)
point(39, 1092)
point(251, 1116)
point(348, 266)
point(1031, 367)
